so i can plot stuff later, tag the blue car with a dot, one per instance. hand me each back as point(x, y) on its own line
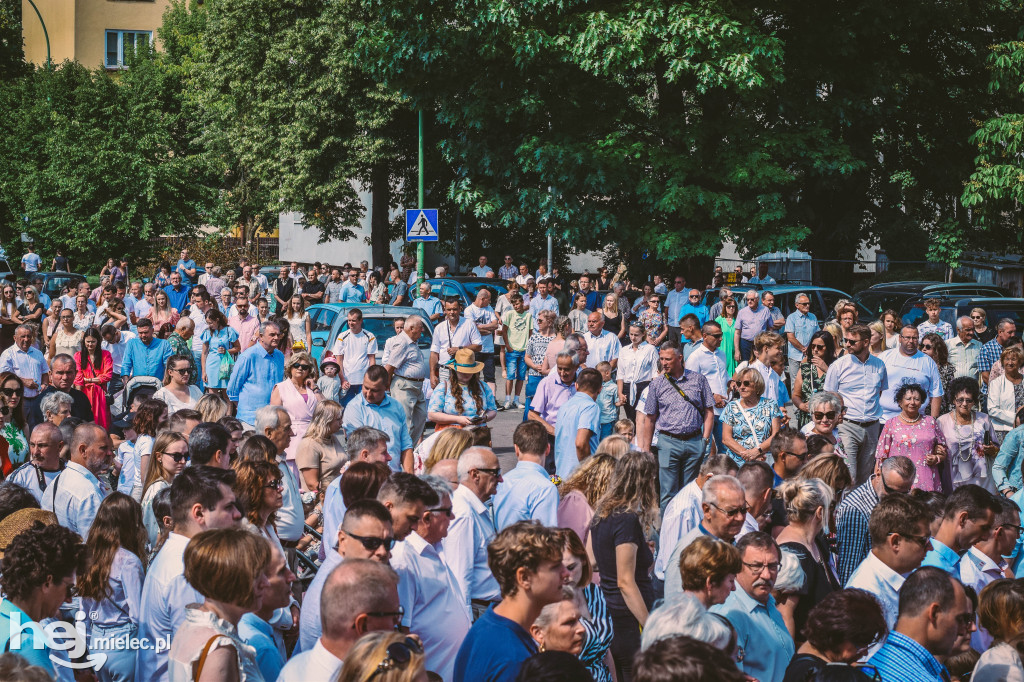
point(329, 320)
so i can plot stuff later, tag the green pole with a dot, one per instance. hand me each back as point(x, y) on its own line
point(46, 34)
point(419, 245)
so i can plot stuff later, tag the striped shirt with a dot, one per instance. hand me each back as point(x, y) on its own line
point(988, 356)
point(902, 659)
point(598, 634)
point(964, 357)
point(852, 516)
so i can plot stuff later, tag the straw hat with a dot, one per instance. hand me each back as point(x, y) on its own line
point(22, 520)
point(465, 362)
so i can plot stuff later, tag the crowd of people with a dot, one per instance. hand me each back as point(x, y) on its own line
point(721, 493)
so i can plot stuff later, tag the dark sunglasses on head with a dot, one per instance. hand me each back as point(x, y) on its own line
point(371, 544)
point(398, 655)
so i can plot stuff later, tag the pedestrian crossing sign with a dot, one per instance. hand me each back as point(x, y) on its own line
point(421, 225)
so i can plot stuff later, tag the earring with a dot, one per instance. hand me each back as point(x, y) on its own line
point(542, 648)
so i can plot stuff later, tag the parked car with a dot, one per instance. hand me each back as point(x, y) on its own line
point(465, 288)
point(738, 291)
point(823, 301)
point(995, 310)
point(54, 282)
point(896, 295)
point(329, 320)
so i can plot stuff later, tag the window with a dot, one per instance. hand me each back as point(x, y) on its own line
point(120, 44)
point(324, 321)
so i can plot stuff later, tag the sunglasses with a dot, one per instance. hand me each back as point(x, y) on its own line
point(275, 485)
point(921, 540)
point(303, 367)
point(694, 298)
point(180, 370)
point(176, 456)
point(372, 545)
point(830, 415)
point(398, 654)
point(926, 346)
point(818, 346)
point(493, 472)
point(11, 391)
point(746, 383)
point(447, 511)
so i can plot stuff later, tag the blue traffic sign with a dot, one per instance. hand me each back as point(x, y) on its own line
point(421, 225)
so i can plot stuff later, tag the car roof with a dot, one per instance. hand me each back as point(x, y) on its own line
point(991, 300)
point(910, 285)
point(374, 309)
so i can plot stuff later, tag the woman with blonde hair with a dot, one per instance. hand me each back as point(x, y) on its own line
point(170, 454)
point(384, 657)
point(299, 395)
point(613, 317)
point(1001, 612)
point(449, 444)
point(162, 314)
point(581, 492)
point(808, 504)
point(833, 470)
point(750, 422)
point(878, 338)
point(321, 453)
point(298, 321)
point(616, 446)
point(213, 407)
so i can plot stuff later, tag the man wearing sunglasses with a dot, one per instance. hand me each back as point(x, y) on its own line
point(859, 377)
point(427, 587)
point(366, 533)
point(789, 450)
point(984, 563)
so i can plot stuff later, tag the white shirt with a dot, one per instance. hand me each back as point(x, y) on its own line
point(406, 358)
point(883, 582)
point(480, 271)
point(435, 608)
point(483, 316)
point(165, 596)
point(78, 497)
point(526, 494)
point(901, 369)
point(860, 384)
point(198, 317)
point(681, 516)
point(637, 364)
point(117, 350)
point(771, 379)
point(977, 569)
point(173, 404)
point(26, 365)
point(603, 348)
point(310, 625)
point(466, 547)
point(316, 665)
point(464, 333)
point(290, 518)
point(354, 352)
point(27, 476)
point(334, 512)
point(712, 365)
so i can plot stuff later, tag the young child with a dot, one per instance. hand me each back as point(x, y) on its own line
point(625, 428)
point(607, 398)
point(329, 384)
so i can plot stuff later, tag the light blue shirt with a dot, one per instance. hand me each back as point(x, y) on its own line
point(388, 417)
point(30, 632)
point(443, 399)
point(78, 497)
point(430, 305)
point(860, 384)
point(761, 632)
point(941, 556)
point(253, 379)
point(538, 304)
point(674, 302)
point(765, 281)
point(1006, 467)
point(141, 360)
point(526, 494)
point(1016, 558)
point(351, 293)
point(802, 326)
point(902, 369)
point(902, 659)
point(700, 311)
point(181, 267)
point(310, 627)
point(261, 636)
point(579, 412)
point(465, 547)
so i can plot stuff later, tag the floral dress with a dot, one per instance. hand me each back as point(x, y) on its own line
point(811, 383)
point(17, 444)
point(760, 417)
point(653, 321)
point(914, 441)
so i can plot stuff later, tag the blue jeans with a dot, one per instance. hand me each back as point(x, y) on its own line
point(515, 365)
point(606, 429)
point(678, 463)
point(198, 357)
point(531, 390)
point(352, 392)
point(120, 663)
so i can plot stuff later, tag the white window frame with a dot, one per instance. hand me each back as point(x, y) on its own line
point(120, 45)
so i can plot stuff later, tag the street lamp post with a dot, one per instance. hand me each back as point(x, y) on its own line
point(46, 34)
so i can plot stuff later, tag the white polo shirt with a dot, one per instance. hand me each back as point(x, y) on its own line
point(463, 334)
point(26, 365)
point(356, 349)
point(465, 548)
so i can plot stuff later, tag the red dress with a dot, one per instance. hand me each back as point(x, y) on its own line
point(96, 392)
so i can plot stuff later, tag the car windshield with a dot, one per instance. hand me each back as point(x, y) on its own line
point(879, 302)
point(384, 328)
point(496, 289)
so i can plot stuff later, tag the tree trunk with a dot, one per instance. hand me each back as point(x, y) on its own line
point(380, 206)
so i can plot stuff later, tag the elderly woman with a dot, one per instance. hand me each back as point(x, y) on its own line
point(299, 395)
point(176, 391)
point(934, 346)
point(220, 346)
point(1006, 392)
point(839, 629)
point(462, 399)
point(818, 356)
point(826, 411)
point(321, 452)
point(709, 568)
point(227, 567)
point(916, 436)
point(750, 423)
point(595, 653)
point(970, 438)
point(56, 407)
point(559, 626)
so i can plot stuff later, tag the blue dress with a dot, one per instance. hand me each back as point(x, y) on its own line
point(760, 417)
point(223, 338)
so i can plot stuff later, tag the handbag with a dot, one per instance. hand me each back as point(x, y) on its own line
point(226, 363)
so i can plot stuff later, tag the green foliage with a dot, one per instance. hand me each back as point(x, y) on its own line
point(12, 56)
point(947, 243)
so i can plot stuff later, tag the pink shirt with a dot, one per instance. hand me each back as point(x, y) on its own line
point(247, 329)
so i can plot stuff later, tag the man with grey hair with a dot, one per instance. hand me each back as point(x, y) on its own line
point(408, 369)
point(26, 362)
point(964, 349)
point(896, 475)
point(724, 509)
point(365, 444)
point(44, 463)
point(447, 470)
point(259, 368)
point(427, 587)
point(553, 391)
point(800, 327)
point(471, 530)
point(274, 422)
point(716, 309)
point(352, 591)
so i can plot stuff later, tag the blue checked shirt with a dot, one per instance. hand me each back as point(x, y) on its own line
point(852, 516)
point(902, 659)
point(990, 352)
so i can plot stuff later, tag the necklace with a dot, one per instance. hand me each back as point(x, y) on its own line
point(908, 421)
point(964, 445)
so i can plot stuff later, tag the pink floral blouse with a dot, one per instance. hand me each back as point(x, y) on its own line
point(914, 441)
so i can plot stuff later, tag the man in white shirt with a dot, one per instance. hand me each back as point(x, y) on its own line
point(145, 304)
point(350, 593)
point(427, 587)
point(602, 345)
point(899, 528)
point(527, 493)
point(684, 512)
point(905, 364)
point(75, 495)
point(984, 563)
point(408, 370)
point(356, 350)
point(200, 305)
point(482, 270)
point(165, 593)
point(859, 377)
point(44, 465)
point(709, 360)
point(115, 342)
point(964, 349)
point(524, 276)
point(451, 334)
point(366, 533)
point(482, 315)
point(26, 362)
point(465, 547)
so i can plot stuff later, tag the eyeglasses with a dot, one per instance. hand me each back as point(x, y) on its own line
point(738, 511)
point(1016, 529)
point(925, 346)
point(746, 383)
point(398, 655)
point(802, 458)
point(830, 415)
point(803, 302)
point(493, 472)
point(922, 540)
point(275, 485)
point(177, 456)
point(964, 401)
point(372, 544)
point(758, 569)
point(447, 511)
